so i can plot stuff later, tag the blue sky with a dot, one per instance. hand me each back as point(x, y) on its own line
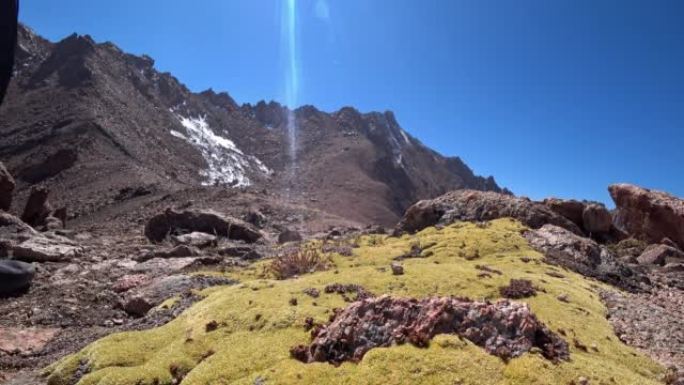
point(552, 97)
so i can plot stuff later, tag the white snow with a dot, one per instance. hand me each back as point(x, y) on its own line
point(178, 135)
point(227, 164)
point(406, 138)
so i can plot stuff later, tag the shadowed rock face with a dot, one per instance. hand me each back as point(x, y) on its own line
point(6, 188)
point(504, 329)
point(648, 215)
point(472, 205)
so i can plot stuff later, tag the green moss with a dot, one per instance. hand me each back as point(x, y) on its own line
point(257, 324)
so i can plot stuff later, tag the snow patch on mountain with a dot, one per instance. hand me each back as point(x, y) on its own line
point(227, 164)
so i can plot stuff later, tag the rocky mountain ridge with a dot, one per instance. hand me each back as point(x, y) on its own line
point(92, 120)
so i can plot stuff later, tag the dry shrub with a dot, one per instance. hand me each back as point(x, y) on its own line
point(296, 262)
point(518, 288)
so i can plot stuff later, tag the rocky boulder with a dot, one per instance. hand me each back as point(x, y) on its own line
point(289, 236)
point(46, 249)
point(6, 188)
point(660, 255)
point(648, 215)
point(596, 219)
point(15, 276)
point(592, 218)
point(582, 255)
point(472, 205)
point(180, 251)
point(569, 208)
point(173, 222)
point(196, 239)
point(22, 242)
point(139, 301)
point(39, 213)
point(12, 228)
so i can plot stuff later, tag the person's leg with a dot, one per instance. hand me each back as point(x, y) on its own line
point(9, 12)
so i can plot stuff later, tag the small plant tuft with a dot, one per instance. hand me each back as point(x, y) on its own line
point(295, 262)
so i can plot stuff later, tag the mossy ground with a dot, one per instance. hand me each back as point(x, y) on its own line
point(257, 325)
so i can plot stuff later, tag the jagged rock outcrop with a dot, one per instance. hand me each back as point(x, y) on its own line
point(569, 208)
point(120, 123)
point(583, 256)
point(504, 329)
point(596, 219)
point(37, 207)
point(472, 205)
point(648, 215)
point(39, 213)
point(173, 222)
point(592, 218)
point(7, 186)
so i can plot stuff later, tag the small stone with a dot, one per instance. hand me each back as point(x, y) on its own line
point(397, 269)
point(583, 381)
point(563, 298)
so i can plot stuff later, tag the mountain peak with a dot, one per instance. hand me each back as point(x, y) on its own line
point(120, 117)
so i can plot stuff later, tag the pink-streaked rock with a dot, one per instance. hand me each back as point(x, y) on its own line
point(130, 281)
point(505, 329)
point(25, 341)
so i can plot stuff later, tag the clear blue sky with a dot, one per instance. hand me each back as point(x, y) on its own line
point(552, 97)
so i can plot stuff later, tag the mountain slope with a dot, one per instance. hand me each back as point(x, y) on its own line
point(91, 120)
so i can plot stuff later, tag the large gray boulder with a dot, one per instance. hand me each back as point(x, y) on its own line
point(473, 205)
point(173, 222)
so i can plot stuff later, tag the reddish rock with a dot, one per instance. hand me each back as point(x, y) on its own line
point(504, 329)
point(569, 208)
point(596, 219)
point(6, 188)
point(131, 281)
point(660, 255)
point(472, 205)
point(25, 341)
point(648, 215)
